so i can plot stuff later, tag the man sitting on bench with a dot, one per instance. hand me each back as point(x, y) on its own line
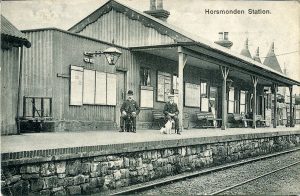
point(130, 108)
point(171, 111)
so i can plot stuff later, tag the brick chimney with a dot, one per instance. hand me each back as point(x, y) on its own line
point(157, 10)
point(223, 40)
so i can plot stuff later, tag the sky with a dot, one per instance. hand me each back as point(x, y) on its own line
point(282, 26)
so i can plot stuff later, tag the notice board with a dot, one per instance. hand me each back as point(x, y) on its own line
point(164, 81)
point(111, 89)
point(100, 94)
point(88, 86)
point(146, 98)
point(192, 95)
point(76, 82)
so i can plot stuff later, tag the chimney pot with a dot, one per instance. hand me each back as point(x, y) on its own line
point(223, 40)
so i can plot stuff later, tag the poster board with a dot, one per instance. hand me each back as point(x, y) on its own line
point(111, 89)
point(164, 82)
point(268, 117)
point(146, 98)
point(192, 95)
point(100, 94)
point(204, 104)
point(88, 86)
point(76, 82)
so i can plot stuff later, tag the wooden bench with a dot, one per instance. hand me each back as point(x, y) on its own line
point(204, 119)
point(241, 118)
point(158, 118)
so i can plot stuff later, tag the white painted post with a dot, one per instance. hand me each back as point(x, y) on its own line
point(182, 58)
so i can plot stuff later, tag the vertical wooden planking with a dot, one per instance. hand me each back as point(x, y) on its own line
point(125, 31)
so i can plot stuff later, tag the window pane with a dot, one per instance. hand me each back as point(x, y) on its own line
point(203, 89)
point(231, 94)
point(231, 107)
point(76, 85)
point(242, 109)
point(243, 97)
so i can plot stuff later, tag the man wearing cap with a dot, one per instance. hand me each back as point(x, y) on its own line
point(171, 111)
point(129, 108)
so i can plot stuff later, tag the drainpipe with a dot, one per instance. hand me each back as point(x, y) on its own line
point(19, 91)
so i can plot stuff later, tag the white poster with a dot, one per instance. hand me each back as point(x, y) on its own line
point(111, 89)
point(192, 95)
point(147, 98)
point(76, 85)
point(88, 86)
point(100, 95)
point(204, 104)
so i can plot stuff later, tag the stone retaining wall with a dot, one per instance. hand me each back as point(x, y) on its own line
point(86, 174)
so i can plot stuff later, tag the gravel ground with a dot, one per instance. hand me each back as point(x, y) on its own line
point(283, 182)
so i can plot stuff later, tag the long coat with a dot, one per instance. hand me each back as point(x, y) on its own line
point(130, 106)
point(171, 108)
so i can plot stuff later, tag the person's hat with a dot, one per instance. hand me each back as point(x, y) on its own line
point(130, 92)
point(170, 95)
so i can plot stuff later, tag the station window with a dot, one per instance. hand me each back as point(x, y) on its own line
point(231, 101)
point(243, 102)
point(145, 79)
point(204, 97)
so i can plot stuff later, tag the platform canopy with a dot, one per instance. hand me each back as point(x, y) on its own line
point(205, 57)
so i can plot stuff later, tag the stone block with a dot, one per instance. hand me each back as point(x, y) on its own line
point(93, 182)
point(111, 164)
point(183, 151)
point(188, 150)
point(20, 188)
point(47, 169)
point(13, 179)
point(100, 159)
point(112, 158)
point(60, 193)
point(86, 168)
point(119, 163)
point(150, 166)
point(86, 189)
point(124, 173)
point(74, 190)
point(69, 181)
point(154, 154)
point(36, 184)
point(58, 189)
point(60, 167)
point(73, 168)
point(80, 179)
point(126, 162)
point(125, 182)
point(140, 171)
point(108, 179)
point(30, 176)
point(139, 162)
point(51, 182)
point(133, 173)
point(94, 167)
point(45, 192)
point(30, 169)
point(117, 175)
point(101, 181)
point(132, 162)
point(119, 184)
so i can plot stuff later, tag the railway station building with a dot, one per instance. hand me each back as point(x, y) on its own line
point(62, 89)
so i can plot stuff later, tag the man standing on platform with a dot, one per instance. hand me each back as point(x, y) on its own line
point(171, 111)
point(129, 109)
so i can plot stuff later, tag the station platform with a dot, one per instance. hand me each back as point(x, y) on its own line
point(58, 140)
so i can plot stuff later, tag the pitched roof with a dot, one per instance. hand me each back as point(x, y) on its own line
point(10, 31)
point(271, 60)
point(164, 28)
point(245, 51)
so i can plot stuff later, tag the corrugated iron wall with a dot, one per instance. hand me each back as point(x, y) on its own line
point(68, 50)
point(51, 54)
point(38, 65)
point(124, 31)
point(9, 90)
